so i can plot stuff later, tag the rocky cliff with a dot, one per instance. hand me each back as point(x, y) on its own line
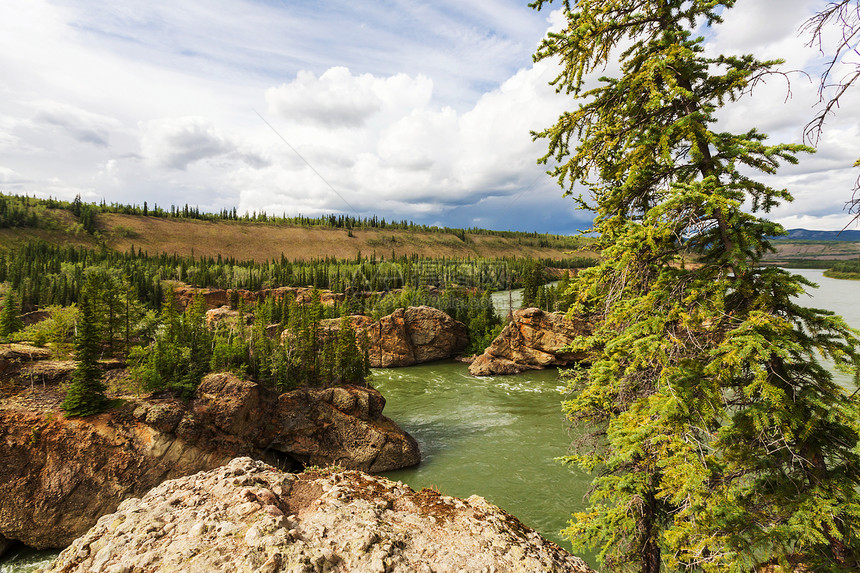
point(247, 516)
point(59, 475)
point(214, 297)
point(534, 339)
point(415, 335)
point(409, 336)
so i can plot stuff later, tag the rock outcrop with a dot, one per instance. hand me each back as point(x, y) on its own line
point(214, 298)
point(247, 516)
point(409, 336)
point(534, 339)
point(59, 475)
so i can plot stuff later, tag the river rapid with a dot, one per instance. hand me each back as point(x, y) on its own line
point(499, 437)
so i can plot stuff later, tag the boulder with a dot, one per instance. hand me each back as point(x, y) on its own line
point(13, 353)
point(59, 475)
point(409, 336)
point(532, 340)
point(247, 516)
point(215, 316)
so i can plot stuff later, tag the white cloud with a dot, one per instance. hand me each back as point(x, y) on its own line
point(175, 143)
point(10, 177)
point(79, 124)
point(782, 106)
point(421, 111)
point(753, 24)
point(408, 155)
point(339, 99)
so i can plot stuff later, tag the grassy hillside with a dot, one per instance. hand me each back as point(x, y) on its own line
point(789, 251)
point(266, 241)
point(260, 240)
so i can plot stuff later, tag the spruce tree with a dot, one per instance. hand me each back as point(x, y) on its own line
point(722, 444)
point(9, 320)
point(533, 279)
point(86, 393)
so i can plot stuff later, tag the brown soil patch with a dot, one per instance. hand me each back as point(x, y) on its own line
point(303, 494)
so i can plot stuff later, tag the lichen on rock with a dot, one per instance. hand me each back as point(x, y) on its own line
point(247, 516)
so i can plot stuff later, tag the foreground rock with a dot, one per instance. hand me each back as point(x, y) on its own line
point(409, 336)
point(247, 516)
point(534, 339)
point(59, 475)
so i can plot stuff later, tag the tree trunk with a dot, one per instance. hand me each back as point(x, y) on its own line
point(650, 548)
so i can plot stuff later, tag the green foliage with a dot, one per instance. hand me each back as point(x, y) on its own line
point(180, 353)
point(52, 276)
point(844, 270)
point(10, 320)
point(86, 214)
point(481, 321)
point(533, 279)
point(58, 329)
point(183, 349)
point(86, 393)
point(16, 211)
point(43, 274)
point(721, 442)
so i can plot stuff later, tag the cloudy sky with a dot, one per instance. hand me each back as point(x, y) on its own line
point(399, 108)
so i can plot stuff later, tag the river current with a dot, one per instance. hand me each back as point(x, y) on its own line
point(499, 437)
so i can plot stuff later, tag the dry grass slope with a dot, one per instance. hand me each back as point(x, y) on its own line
point(262, 241)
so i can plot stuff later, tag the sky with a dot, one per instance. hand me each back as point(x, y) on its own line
point(403, 109)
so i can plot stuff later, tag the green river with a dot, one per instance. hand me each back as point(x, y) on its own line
point(498, 437)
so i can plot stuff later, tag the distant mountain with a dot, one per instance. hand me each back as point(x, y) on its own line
point(807, 235)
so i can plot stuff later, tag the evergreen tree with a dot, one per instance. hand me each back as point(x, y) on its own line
point(86, 393)
point(533, 279)
point(198, 339)
point(722, 443)
point(9, 320)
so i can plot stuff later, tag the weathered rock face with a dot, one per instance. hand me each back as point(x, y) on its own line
point(409, 336)
point(315, 426)
point(215, 316)
point(532, 340)
point(59, 475)
point(247, 516)
point(184, 295)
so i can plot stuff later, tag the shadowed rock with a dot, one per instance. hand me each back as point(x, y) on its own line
point(59, 475)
